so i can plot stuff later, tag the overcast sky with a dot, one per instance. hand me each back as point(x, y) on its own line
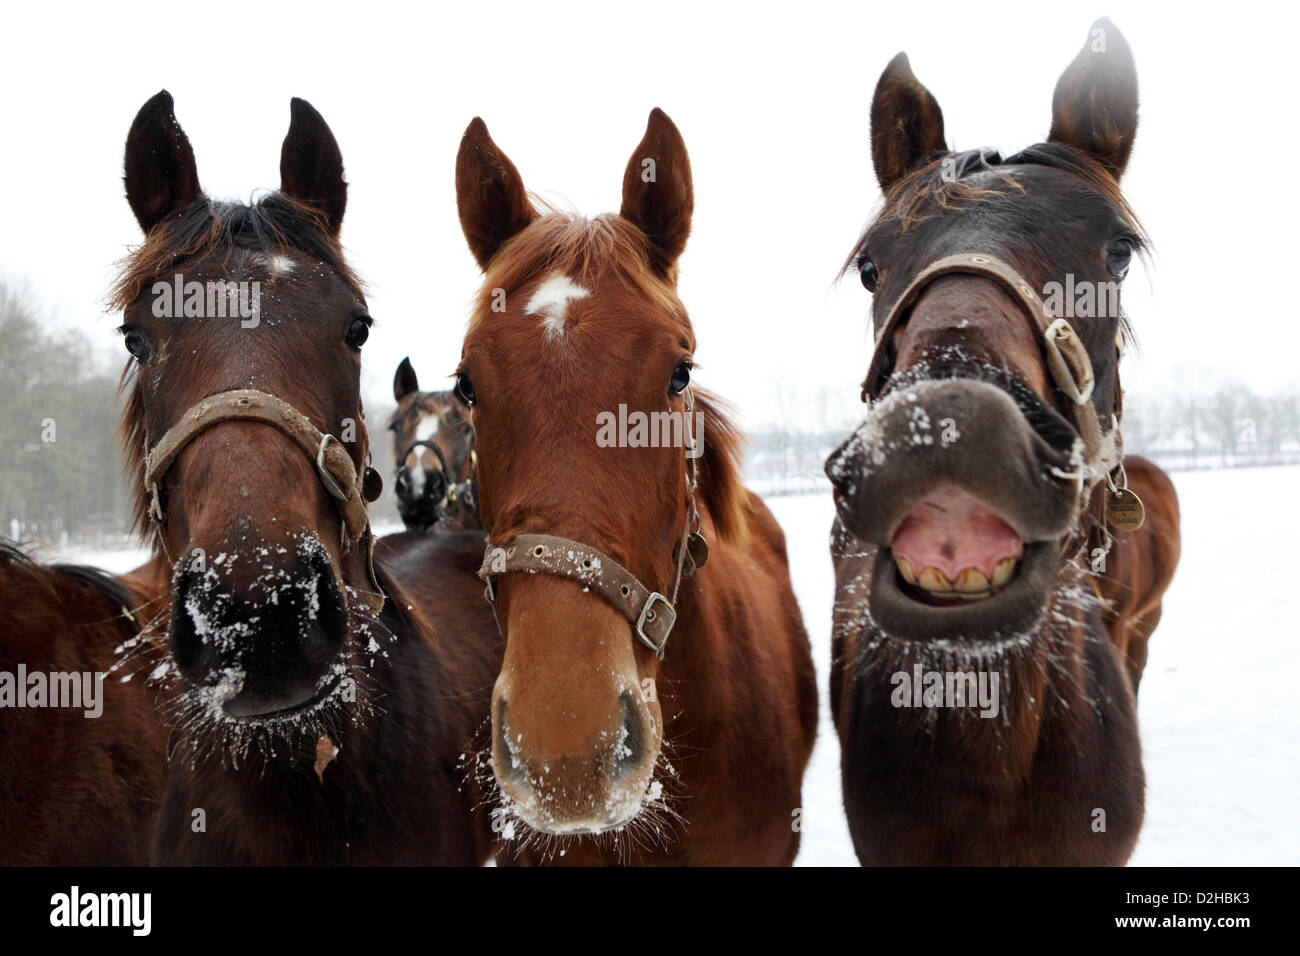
point(772, 102)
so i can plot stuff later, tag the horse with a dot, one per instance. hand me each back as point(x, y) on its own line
point(650, 707)
point(1139, 567)
point(82, 751)
point(433, 446)
point(317, 716)
point(984, 715)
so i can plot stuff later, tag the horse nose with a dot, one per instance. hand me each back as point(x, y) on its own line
point(266, 647)
point(588, 786)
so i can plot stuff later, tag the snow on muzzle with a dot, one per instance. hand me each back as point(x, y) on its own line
point(261, 629)
point(966, 500)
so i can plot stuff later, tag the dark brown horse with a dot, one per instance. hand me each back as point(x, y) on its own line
point(985, 716)
point(81, 750)
point(317, 717)
point(1133, 575)
point(433, 445)
point(604, 750)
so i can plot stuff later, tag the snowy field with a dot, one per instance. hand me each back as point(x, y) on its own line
point(1218, 708)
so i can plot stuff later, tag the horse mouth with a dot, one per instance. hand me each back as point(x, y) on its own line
point(956, 569)
point(255, 712)
point(951, 548)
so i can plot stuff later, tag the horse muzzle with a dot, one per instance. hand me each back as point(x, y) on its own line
point(264, 648)
point(966, 503)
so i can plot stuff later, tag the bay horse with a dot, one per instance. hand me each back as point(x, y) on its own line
point(433, 446)
point(643, 713)
point(317, 716)
point(1139, 567)
point(970, 499)
point(80, 783)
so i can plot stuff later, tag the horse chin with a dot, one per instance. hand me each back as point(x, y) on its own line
point(617, 813)
point(907, 611)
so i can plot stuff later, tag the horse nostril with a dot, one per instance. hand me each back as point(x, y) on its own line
point(194, 655)
point(631, 744)
point(508, 767)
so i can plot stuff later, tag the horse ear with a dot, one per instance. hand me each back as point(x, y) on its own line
point(405, 381)
point(160, 175)
point(1095, 105)
point(906, 123)
point(490, 194)
point(311, 166)
point(657, 193)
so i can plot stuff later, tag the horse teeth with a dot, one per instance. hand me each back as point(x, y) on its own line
point(932, 579)
point(971, 581)
point(1002, 571)
point(905, 569)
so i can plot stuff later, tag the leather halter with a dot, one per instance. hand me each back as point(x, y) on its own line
point(1067, 358)
point(651, 614)
point(334, 465)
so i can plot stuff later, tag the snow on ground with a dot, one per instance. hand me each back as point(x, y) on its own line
point(1219, 723)
point(1217, 708)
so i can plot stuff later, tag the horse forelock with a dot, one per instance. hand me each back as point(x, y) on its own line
point(274, 225)
point(940, 185)
point(583, 250)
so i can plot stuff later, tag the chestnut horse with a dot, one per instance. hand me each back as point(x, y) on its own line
point(984, 714)
point(433, 446)
point(617, 735)
point(1137, 569)
point(317, 717)
point(81, 782)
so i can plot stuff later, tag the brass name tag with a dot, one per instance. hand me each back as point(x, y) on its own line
point(1124, 510)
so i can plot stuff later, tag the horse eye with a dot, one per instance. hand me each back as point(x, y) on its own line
point(136, 344)
point(681, 378)
point(869, 275)
point(465, 389)
point(1119, 257)
point(358, 332)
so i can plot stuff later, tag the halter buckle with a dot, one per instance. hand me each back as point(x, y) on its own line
point(327, 479)
point(647, 610)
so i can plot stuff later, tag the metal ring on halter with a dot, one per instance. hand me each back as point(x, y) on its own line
point(326, 478)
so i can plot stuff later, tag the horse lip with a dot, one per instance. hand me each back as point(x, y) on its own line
point(321, 694)
point(1012, 609)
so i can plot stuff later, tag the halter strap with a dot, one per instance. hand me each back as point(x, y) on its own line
point(334, 465)
point(651, 614)
point(1067, 358)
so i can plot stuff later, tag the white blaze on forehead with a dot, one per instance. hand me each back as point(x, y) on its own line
point(276, 264)
point(427, 428)
point(551, 301)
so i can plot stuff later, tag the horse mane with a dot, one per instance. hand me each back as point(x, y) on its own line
point(274, 224)
point(13, 556)
point(721, 488)
point(578, 247)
